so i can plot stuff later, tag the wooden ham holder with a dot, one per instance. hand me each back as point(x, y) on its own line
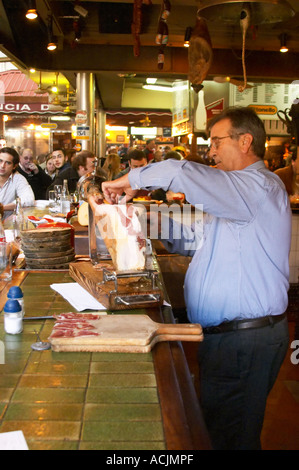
point(118, 291)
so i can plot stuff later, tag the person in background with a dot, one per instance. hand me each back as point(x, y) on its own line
point(181, 149)
point(149, 149)
point(12, 183)
point(82, 163)
point(50, 166)
point(70, 154)
point(158, 157)
point(34, 174)
point(169, 196)
point(41, 160)
point(136, 159)
point(290, 175)
point(174, 155)
point(237, 283)
point(60, 160)
point(112, 165)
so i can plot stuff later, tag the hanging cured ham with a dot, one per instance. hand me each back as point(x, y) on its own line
point(200, 54)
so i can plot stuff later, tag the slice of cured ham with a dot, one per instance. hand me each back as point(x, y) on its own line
point(72, 325)
point(120, 228)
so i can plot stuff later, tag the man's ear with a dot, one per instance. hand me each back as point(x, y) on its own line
point(245, 142)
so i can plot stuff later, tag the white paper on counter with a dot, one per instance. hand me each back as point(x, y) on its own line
point(13, 440)
point(77, 296)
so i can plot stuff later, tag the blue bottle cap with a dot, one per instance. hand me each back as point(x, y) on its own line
point(15, 292)
point(12, 306)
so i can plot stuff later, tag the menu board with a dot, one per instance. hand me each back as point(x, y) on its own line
point(181, 102)
point(265, 98)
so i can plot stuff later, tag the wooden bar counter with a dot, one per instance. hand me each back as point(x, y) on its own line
point(97, 401)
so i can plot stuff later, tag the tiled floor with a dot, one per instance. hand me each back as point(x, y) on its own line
point(281, 424)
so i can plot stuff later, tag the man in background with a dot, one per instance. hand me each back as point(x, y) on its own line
point(60, 160)
point(12, 184)
point(136, 159)
point(150, 148)
point(34, 174)
point(82, 163)
point(290, 175)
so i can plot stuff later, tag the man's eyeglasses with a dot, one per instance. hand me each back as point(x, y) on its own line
point(215, 141)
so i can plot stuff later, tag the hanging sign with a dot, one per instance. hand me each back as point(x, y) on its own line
point(81, 118)
point(49, 125)
point(78, 147)
point(82, 132)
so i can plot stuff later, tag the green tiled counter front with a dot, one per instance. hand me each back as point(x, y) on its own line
point(75, 400)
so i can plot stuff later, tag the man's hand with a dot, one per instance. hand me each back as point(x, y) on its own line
point(32, 167)
point(113, 190)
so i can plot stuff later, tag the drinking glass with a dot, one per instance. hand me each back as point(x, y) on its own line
point(52, 198)
point(5, 261)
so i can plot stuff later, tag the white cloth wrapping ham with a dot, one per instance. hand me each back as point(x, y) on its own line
point(121, 229)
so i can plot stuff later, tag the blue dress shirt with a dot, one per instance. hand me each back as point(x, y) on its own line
point(240, 254)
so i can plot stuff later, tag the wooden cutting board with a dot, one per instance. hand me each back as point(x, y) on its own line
point(91, 279)
point(119, 333)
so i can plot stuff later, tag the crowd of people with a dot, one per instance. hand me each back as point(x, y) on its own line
point(31, 178)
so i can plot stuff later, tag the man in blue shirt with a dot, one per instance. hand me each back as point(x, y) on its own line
point(237, 282)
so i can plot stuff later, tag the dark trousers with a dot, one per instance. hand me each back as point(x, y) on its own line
point(237, 372)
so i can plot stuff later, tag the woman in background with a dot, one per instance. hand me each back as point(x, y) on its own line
point(50, 167)
point(112, 166)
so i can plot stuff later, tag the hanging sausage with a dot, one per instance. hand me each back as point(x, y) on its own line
point(162, 32)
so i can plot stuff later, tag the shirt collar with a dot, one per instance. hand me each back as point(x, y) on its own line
point(256, 165)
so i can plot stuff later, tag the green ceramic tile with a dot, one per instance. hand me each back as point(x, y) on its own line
point(122, 380)
point(48, 395)
point(53, 381)
point(121, 367)
point(42, 412)
point(95, 445)
point(44, 429)
point(63, 357)
point(57, 368)
point(52, 445)
point(9, 381)
point(122, 395)
point(5, 394)
point(123, 412)
point(12, 366)
point(119, 357)
point(134, 431)
point(3, 408)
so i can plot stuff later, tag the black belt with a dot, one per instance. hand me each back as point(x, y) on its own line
point(244, 324)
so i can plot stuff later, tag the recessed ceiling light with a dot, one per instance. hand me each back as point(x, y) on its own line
point(151, 81)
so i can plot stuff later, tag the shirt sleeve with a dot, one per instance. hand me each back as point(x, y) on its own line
point(24, 191)
point(234, 195)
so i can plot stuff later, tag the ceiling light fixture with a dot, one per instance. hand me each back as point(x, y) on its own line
point(262, 11)
point(31, 13)
point(79, 9)
point(283, 42)
point(52, 41)
point(158, 88)
point(151, 81)
point(188, 33)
